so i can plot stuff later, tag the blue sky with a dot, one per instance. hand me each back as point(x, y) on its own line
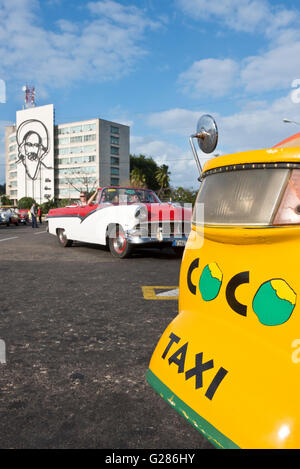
point(157, 65)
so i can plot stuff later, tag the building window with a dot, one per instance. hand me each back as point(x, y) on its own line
point(62, 151)
point(114, 150)
point(84, 170)
point(76, 139)
point(88, 127)
point(76, 150)
point(89, 138)
point(114, 130)
point(63, 141)
point(75, 129)
point(89, 148)
point(114, 160)
point(14, 193)
point(88, 159)
point(114, 140)
point(114, 171)
point(114, 181)
point(76, 159)
point(64, 130)
point(63, 160)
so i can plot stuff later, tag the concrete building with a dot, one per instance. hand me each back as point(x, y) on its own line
point(44, 160)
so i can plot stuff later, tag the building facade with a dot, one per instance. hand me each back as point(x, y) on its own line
point(46, 161)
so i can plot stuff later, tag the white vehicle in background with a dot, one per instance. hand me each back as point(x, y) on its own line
point(8, 216)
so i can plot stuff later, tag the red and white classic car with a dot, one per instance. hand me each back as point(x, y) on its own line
point(122, 218)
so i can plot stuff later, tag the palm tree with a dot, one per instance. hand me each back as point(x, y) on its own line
point(138, 179)
point(162, 176)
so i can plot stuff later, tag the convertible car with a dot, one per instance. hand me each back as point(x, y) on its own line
point(122, 218)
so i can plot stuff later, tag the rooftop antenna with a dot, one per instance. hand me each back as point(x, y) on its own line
point(29, 96)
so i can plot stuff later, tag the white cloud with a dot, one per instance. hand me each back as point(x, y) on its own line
point(258, 125)
point(275, 69)
point(209, 76)
point(178, 121)
point(241, 15)
point(272, 69)
point(180, 161)
point(128, 16)
point(258, 128)
point(106, 47)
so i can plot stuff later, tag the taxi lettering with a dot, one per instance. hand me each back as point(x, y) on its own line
point(179, 358)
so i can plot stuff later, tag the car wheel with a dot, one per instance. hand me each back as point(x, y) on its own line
point(62, 238)
point(118, 243)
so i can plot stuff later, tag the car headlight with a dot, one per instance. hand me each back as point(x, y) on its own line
point(141, 212)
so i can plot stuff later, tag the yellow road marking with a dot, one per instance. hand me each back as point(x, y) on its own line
point(150, 293)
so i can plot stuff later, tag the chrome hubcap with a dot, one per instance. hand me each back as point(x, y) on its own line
point(62, 236)
point(119, 243)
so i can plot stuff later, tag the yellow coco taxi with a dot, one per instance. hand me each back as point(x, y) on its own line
point(229, 362)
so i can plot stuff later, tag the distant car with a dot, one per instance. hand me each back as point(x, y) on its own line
point(23, 216)
point(8, 216)
point(122, 218)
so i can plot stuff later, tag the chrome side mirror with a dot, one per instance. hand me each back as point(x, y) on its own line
point(207, 136)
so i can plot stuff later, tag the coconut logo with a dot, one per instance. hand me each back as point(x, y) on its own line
point(273, 303)
point(33, 146)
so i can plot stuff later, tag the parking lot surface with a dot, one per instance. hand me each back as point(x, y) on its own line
point(79, 336)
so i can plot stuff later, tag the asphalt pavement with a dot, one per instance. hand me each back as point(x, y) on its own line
point(79, 335)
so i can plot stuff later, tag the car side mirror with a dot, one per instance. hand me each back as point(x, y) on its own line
point(207, 136)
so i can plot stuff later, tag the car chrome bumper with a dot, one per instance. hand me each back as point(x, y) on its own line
point(171, 240)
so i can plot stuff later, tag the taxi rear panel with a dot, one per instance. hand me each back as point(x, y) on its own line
point(229, 362)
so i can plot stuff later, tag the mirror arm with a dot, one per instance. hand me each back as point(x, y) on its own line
point(195, 153)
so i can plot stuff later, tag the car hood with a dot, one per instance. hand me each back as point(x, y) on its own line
point(166, 211)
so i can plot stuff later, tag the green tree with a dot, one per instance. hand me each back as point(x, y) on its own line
point(162, 175)
point(147, 167)
point(46, 206)
point(2, 188)
point(180, 194)
point(5, 200)
point(64, 202)
point(26, 202)
point(137, 178)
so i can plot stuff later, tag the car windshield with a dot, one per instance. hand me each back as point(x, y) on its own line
point(124, 195)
